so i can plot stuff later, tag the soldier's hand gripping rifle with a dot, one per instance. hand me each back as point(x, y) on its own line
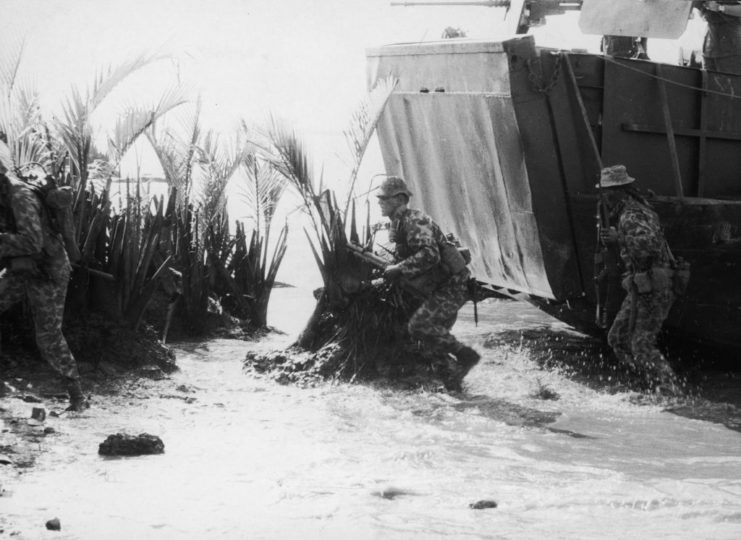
point(380, 263)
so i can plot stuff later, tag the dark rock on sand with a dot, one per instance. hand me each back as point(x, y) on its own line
point(483, 504)
point(121, 444)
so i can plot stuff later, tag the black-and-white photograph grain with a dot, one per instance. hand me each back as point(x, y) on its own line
point(370, 269)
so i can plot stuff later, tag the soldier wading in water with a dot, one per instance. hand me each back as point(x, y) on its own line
point(34, 266)
point(647, 279)
point(437, 269)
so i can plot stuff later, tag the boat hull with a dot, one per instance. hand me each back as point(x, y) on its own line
point(502, 142)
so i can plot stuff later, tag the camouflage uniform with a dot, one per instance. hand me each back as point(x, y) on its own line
point(641, 316)
point(417, 239)
point(26, 234)
point(721, 49)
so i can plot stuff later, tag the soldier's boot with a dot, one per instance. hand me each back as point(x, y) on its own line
point(465, 359)
point(77, 401)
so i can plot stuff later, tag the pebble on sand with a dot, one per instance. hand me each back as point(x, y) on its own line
point(483, 504)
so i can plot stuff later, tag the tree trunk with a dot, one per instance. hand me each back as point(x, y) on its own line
point(312, 332)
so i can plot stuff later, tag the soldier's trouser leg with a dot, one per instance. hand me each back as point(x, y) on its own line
point(432, 321)
point(12, 291)
point(652, 310)
point(46, 298)
point(619, 336)
point(726, 64)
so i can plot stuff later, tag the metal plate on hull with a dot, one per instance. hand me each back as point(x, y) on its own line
point(665, 19)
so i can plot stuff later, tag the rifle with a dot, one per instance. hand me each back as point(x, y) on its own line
point(380, 263)
point(603, 261)
point(476, 289)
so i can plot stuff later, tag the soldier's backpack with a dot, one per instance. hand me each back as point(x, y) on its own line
point(56, 205)
point(453, 256)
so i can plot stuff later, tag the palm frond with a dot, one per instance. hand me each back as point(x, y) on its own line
point(291, 158)
point(106, 80)
point(363, 123)
point(10, 63)
point(23, 129)
point(137, 120)
point(218, 161)
point(74, 125)
point(175, 145)
point(259, 190)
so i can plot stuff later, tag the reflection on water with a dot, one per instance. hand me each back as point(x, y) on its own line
point(247, 458)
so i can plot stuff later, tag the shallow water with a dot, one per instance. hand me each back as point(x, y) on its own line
point(247, 458)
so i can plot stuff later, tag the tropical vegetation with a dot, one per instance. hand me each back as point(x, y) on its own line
point(178, 260)
point(181, 247)
point(357, 330)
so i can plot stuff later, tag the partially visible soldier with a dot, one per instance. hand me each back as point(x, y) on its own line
point(421, 255)
point(721, 49)
point(36, 269)
point(625, 47)
point(647, 278)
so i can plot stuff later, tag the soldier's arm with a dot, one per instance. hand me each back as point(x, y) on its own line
point(421, 241)
point(29, 237)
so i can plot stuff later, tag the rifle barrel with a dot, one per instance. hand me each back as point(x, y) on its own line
point(368, 256)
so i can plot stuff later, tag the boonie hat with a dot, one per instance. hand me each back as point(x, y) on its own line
point(614, 176)
point(393, 185)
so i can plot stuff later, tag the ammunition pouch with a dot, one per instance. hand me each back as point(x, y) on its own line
point(658, 278)
point(23, 266)
point(643, 282)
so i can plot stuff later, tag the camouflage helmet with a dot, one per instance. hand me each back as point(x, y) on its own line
point(393, 185)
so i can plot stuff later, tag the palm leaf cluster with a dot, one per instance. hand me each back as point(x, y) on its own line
point(218, 258)
point(332, 227)
point(183, 240)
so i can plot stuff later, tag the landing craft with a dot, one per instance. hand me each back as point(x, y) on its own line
point(502, 141)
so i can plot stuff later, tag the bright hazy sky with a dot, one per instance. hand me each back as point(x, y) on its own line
point(301, 60)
